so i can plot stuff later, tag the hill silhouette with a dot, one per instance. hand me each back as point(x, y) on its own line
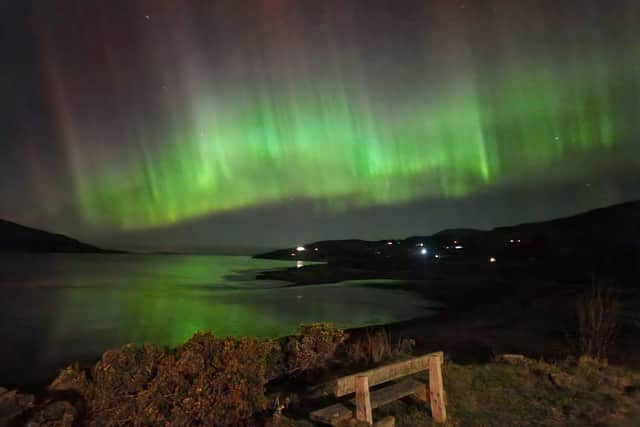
point(19, 238)
point(604, 230)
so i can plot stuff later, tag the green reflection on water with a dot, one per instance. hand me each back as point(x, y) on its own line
point(104, 301)
point(61, 308)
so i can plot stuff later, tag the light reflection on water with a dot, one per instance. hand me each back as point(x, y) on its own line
point(61, 308)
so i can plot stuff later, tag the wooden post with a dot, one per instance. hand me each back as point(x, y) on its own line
point(363, 400)
point(436, 390)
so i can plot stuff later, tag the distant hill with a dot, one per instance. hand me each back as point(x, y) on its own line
point(18, 238)
point(617, 223)
point(605, 230)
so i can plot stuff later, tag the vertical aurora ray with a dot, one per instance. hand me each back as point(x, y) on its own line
point(305, 106)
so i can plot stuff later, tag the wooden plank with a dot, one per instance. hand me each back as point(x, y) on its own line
point(386, 422)
point(363, 400)
point(346, 385)
point(394, 392)
point(432, 362)
point(339, 412)
point(422, 392)
point(436, 390)
point(332, 415)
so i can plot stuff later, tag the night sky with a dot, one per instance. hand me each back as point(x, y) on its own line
point(195, 124)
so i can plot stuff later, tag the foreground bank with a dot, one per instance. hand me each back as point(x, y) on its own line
point(229, 382)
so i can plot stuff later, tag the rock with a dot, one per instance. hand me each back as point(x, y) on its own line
point(12, 405)
point(514, 359)
point(55, 414)
point(25, 400)
point(560, 379)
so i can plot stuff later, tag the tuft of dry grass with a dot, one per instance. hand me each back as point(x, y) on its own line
point(376, 346)
point(598, 314)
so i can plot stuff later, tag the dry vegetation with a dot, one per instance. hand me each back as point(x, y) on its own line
point(222, 382)
point(526, 393)
point(205, 382)
point(375, 346)
point(598, 314)
point(312, 349)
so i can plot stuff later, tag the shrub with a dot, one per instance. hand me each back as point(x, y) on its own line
point(207, 381)
point(314, 348)
point(597, 321)
point(121, 375)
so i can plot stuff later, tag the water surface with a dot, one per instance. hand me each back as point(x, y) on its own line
point(60, 308)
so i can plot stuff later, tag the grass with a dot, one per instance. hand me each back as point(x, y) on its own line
point(531, 393)
point(210, 381)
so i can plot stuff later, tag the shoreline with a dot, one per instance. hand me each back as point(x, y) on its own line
point(510, 311)
point(476, 388)
point(474, 317)
point(481, 319)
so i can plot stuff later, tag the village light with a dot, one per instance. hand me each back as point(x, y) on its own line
point(424, 251)
point(492, 260)
point(301, 249)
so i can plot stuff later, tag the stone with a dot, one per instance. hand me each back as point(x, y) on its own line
point(54, 414)
point(561, 380)
point(12, 405)
point(514, 359)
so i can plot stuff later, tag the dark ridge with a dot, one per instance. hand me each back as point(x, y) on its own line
point(605, 232)
point(18, 238)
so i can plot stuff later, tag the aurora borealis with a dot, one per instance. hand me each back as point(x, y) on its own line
point(157, 113)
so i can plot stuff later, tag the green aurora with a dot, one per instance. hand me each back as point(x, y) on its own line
point(318, 121)
point(329, 147)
